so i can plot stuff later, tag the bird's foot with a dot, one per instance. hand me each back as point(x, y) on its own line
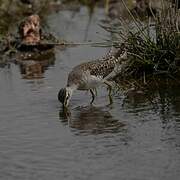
point(93, 96)
point(109, 88)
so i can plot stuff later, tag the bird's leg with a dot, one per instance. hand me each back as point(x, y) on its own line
point(93, 95)
point(109, 87)
point(107, 6)
point(95, 91)
point(110, 90)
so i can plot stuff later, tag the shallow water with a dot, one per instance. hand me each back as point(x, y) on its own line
point(131, 139)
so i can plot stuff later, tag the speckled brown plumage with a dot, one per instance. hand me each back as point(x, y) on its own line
point(100, 68)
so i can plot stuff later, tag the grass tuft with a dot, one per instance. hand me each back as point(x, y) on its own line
point(153, 46)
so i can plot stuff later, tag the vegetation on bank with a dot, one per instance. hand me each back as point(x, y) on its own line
point(153, 46)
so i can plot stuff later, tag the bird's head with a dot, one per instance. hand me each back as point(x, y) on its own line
point(64, 96)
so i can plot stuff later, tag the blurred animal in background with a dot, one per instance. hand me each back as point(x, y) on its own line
point(116, 8)
point(30, 31)
point(27, 1)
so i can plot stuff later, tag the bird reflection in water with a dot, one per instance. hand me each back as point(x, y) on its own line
point(91, 120)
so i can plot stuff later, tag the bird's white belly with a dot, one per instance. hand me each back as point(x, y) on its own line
point(90, 82)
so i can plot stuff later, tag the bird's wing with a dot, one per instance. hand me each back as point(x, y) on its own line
point(108, 68)
point(104, 67)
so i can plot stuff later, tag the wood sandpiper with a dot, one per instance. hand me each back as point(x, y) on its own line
point(89, 75)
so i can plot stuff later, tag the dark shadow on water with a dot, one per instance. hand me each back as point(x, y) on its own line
point(91, 120)
point(35, 64)
point(32, 65)
point(162, 102)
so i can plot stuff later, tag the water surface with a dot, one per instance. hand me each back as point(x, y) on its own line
point(132, 139)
